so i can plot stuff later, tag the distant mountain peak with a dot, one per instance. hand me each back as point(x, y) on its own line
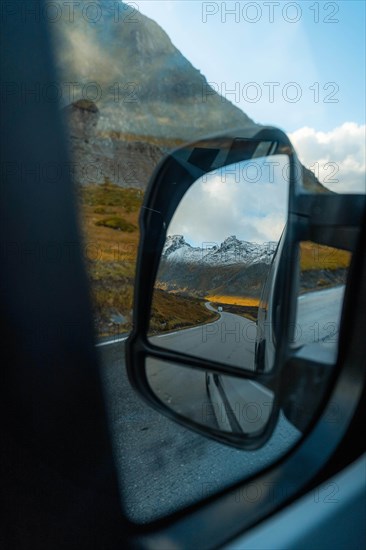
point(174, 242)
point(175, 239)
point(230, 251)
point(232, 240)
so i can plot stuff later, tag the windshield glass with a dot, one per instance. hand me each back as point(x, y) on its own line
point(137, 80)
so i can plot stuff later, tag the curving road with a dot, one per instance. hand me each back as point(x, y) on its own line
point(230, 340)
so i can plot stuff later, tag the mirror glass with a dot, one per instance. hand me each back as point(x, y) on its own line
point(221, 402)
point(323, 276)
point(217, 256)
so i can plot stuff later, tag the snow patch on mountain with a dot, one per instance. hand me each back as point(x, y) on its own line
point(230, 251)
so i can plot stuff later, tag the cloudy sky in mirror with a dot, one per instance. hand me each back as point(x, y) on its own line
point(246, 199)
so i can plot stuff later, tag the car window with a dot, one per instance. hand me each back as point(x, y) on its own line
point(137, 80)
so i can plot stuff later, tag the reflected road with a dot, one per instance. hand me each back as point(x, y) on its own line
point(229, 340)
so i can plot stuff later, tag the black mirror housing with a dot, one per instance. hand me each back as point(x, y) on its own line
point(306, 220)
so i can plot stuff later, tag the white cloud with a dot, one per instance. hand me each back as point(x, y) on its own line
point(337, 157)
point(224, 204)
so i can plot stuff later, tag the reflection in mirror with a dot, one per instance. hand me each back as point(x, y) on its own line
point(323, 275)
point(221, 402)
point(217, 256)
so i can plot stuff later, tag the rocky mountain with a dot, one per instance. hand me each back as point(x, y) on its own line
point(231, 251)
point(99, 159)
point(127, 161)
point(129, 95)
point(141, 83)
point(230, 268)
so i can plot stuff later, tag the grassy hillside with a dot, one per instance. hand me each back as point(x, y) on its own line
point(316, 257)
point(234, 300)
point(100, 203)
point(109, 219)
point(171, 311)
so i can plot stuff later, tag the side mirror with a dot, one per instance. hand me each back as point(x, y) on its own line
point(221, 286)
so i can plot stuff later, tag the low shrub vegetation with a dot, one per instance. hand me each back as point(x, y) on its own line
point(116, 222)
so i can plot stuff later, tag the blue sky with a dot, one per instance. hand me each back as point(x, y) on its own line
point(327, 56)
point(318, 59)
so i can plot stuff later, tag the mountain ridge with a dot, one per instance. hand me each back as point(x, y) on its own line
point(142, 83)
point(230, 251)
point(129, 96)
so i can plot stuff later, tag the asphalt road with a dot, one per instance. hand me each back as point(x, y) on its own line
point(162, 466)
point(230, 340)
point(318, 320)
